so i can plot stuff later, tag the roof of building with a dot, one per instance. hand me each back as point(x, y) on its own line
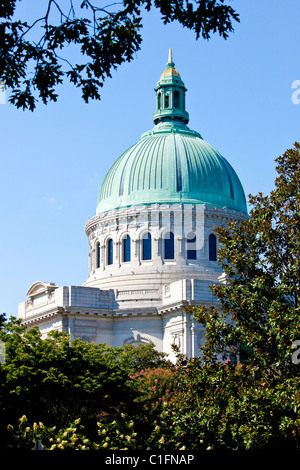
point(171, 163)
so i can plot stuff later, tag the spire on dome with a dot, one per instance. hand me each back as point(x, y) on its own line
point(170, 95)
point(170, 60)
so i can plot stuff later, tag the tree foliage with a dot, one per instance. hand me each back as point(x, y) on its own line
point(261, 260)
point(85, 396)
point(55, 382)
point(82, 41)
point(255, 403)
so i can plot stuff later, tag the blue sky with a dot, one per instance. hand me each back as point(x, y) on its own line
point(53, 160)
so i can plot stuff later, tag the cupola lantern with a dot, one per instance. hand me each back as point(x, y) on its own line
point(170, 96)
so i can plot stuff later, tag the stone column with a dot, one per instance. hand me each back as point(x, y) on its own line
point(117, 254)
point(102, 256)
point(200, 230)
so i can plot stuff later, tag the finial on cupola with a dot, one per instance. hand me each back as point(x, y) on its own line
point(170, 59)
point(170, 96)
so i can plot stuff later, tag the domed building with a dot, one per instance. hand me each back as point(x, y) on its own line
point(153, 244)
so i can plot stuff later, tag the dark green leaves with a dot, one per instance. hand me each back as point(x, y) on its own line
point(52, 381)
point(100, 38)
point(204, 17)
point(7, 8)
point(261, 258)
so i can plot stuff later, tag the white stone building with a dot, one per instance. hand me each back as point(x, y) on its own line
point(153, 246)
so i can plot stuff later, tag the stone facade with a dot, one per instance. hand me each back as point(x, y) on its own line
point(153, 242)
point(137, 301)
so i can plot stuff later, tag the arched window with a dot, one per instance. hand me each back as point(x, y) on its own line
point(158, 101)
point(191, 252)
point(146, 247)
point(126, 249)
point(110, 252)
point(176, 99)
point(212, 247)
point(166, 101)
point(169, 246)
point(98, 255)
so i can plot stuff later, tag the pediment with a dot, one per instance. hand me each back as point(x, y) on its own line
point(41, 287)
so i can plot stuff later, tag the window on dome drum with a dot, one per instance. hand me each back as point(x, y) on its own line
point(169, 246)
point(191, 246)
point(146, 247)
point(212, 247)
point(110, 252)
point(126, 249)
point(158, 101)
point(166, 101)
point(176, 99)
point(98, 255)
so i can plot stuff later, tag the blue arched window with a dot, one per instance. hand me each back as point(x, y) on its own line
point(126, 249)
point(98, 255)
point(191, 252)
point(146, 247)
point(110, 252)
point(212, 247)
point(169, 245)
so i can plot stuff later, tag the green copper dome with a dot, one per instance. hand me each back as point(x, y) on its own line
point(171, 164)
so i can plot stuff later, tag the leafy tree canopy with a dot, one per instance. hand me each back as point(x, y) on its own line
point(200, 403)
point(260, 297)
point(56, 382)
point(35, 54)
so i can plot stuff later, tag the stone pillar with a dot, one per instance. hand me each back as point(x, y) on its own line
point(117, 254)
point(181, 250)
point(200, 229)
point(135, 243)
